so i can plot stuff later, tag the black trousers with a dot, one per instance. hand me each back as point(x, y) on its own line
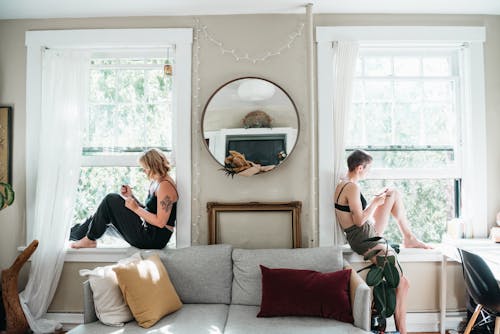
point(112, 211)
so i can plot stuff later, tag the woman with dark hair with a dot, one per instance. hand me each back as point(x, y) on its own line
point(149, 225)
point(361, 220)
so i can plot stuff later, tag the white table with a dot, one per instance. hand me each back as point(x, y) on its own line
point(486, 248)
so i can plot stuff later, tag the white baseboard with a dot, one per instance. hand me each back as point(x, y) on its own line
point(68, 320)
point(415, 322)
point(428, 322)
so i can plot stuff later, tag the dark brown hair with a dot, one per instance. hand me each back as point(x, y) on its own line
point(358, 158)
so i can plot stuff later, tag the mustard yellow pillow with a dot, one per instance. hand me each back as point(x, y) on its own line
point(147, 290)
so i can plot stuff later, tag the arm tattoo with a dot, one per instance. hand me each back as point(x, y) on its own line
point(166, 203)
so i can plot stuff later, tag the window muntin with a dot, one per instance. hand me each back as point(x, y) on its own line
point(406, 113)
point(130, 110)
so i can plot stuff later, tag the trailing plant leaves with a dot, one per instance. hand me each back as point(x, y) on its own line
point(371, 254)
point(374, 276)
point(6, 195)
point(391, 275)
point(364, 268)
point(385, 299)
point(395, 247)
point(381, 260)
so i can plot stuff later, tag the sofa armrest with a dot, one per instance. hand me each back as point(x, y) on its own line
point(361, 300)
point(88, 304)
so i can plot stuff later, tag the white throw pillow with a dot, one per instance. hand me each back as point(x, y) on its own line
point(110, 307)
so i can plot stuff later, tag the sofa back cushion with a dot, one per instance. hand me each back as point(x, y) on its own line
point(200, 274)
point(247, 281)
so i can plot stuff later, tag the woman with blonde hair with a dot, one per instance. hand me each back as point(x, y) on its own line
point(147, 226)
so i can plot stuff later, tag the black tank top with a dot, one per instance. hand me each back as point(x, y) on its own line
point(346, 208)
point(151, 205)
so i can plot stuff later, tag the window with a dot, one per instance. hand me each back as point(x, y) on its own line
point(126, 62)
point(406, 111)
point(130, 110)
point(419, 108)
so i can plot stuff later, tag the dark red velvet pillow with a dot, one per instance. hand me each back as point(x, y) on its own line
point(306, 293)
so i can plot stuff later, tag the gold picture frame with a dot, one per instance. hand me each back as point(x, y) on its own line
point(6, 144)
point(293, 224)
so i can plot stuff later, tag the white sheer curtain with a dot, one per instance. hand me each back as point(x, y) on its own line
point(345, 57)
point(63, 108)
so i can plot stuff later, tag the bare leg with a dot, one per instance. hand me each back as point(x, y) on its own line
point(84, 243)
point(401, 300)
point(394, 205)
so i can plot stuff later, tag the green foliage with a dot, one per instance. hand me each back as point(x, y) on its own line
point(6, 195)
point(384, 277)
point(97, 182)
point(429, 205)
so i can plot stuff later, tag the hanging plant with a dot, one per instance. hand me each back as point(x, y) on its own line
point(383, 276)
point(6, 195)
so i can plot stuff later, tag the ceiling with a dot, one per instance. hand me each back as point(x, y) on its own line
point(24, 9)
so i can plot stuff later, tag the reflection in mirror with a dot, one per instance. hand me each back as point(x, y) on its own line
point(250, 126)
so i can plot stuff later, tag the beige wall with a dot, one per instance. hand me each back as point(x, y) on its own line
point(253, 34)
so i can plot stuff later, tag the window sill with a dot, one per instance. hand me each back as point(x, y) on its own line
point(406, 255)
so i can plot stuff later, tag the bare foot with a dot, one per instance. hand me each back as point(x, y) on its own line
point(413, 242)
point(84, 243)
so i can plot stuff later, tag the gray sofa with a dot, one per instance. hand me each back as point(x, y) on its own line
point(220, 288)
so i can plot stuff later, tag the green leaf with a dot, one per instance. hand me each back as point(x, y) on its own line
point(385, 299)
point(379, 298)
point(391, 275)
point(371, 254)
point(2, 201)
point(374, 276)
point(381, 260)
point(396, 248)
point(391, 259)
point(9, 194)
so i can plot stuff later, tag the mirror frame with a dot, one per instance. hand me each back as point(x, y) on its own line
point(241, 78)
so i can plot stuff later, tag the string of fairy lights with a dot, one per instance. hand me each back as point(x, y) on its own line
point(202, 31)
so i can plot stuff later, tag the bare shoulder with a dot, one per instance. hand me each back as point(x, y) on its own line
point(168, 187)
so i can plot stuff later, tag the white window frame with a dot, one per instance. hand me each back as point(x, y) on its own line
point(97, 39)
point(475, 133)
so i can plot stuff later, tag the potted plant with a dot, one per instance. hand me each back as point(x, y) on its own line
point(6, 195)
point(383, 276)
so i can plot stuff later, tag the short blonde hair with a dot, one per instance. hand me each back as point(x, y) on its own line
point(156, 161)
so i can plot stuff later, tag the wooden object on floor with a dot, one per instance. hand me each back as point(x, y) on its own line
point(16, 320)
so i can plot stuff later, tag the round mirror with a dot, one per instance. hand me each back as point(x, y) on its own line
point(250, 126)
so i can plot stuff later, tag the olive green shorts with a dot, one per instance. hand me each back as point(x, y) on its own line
point(356, 236)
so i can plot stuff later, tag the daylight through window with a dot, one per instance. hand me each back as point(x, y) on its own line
point(406, 111)
point(130, 110)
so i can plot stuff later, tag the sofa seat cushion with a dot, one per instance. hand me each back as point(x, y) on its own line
point(191, 318)
point(242, 319)
point(247, 282)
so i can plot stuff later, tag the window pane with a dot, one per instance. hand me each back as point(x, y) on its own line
point(410, 157)
point(438, 90)
point(407, 66)
point(436, 66)
point(429, 205)
point(377, 66)
point(102, 86)
point(96, 182)
point(406, 124)
point(130, 105)
point(407, 91)
point(378, 90)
